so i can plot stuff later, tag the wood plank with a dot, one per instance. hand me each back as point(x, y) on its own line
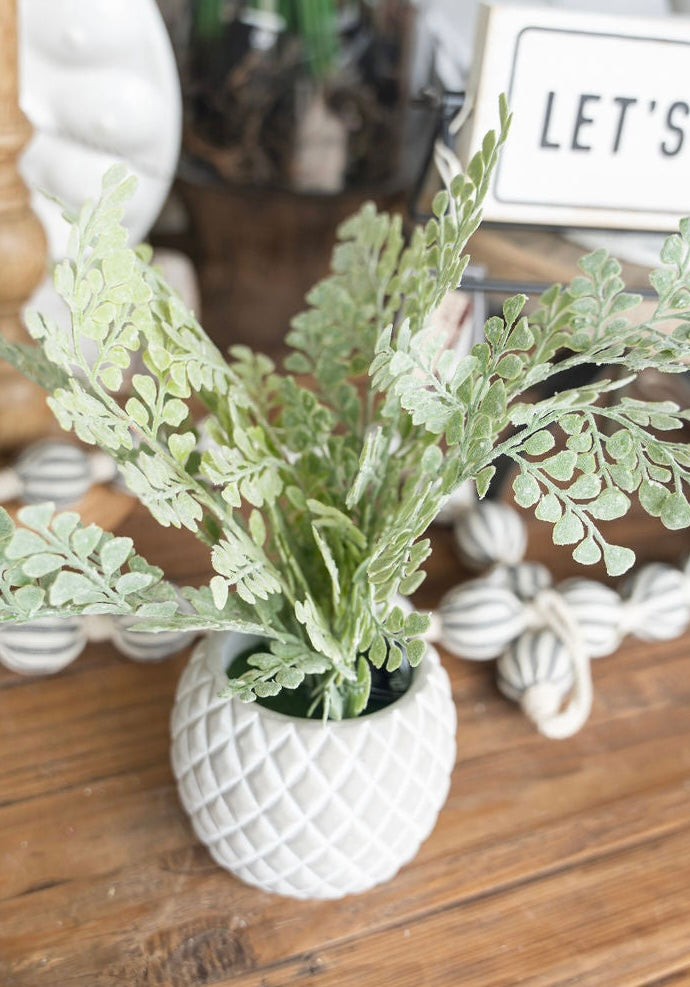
point(118, 718)
point(629, 908)
point(680, 977)
point(618, 921)
point(513, 813)
point(102, 881)
point(536, 255)
point(509, 806)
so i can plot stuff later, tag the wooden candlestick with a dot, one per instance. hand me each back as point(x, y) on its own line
point(23, 412)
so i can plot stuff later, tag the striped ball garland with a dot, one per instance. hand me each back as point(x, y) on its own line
point(491, 532)
point(53, 470)
point(479, 619)
point(42, 646)
point(526, 579)
point(597, 610)
point(46, 645)
point(544, 638)
point(148, 646)
point(657, 604)
point(534, 658)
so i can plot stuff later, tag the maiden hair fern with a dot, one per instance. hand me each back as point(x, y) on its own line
point(314, 498)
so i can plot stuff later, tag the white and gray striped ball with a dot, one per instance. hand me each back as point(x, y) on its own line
point(490, 533)
point(42, 646)
point(479, 619)
point(145, 645)
point(536, 658)
point(55, 470)
point(597, 610)
point(657, 604)
point(526, 579)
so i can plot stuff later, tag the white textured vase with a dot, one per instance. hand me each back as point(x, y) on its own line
point(305, 808)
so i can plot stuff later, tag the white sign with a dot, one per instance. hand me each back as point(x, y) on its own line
point(601, 117)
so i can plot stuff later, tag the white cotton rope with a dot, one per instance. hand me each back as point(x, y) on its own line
point(460, 118)
point(447, 162)
point(103, 467)
point(549, 609)
point(448, 166)
point(631, 615)
point(434, 633)
point(98, 627)
point(11, 485)
point(541, 702)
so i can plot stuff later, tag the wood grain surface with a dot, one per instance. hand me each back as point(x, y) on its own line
point(553, 862)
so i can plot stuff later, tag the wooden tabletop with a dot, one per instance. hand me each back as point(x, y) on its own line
point(552, 863)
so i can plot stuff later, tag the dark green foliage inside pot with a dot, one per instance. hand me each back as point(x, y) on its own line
point(386, 687)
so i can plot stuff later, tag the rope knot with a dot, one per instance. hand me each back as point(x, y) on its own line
point(549, 609)
point(544, 609)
